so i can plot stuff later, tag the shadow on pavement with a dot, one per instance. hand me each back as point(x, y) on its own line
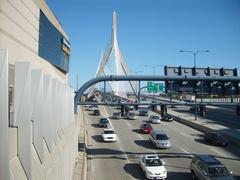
point(202, 141)
point(237, 177)
point(102, 151)
point(97, 138)
point(138, 131)
point(96, 125)
point(134, 170)
point(145, 144)
point(178, 175)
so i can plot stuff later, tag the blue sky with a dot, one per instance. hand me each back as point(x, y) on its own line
point(151, 32)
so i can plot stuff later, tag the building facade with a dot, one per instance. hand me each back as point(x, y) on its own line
point(38, 129)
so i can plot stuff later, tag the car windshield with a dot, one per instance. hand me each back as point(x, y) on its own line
point(147, 125)
point(109, 132)
point(218, 171)
point(153, 162)
point(168, 116)
point(131, 114)
point(116, 114)
point(161, 137)
point(104, 120)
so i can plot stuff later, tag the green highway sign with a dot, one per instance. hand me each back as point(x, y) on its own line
point(154, 87)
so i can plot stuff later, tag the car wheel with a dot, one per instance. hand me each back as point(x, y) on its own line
point(193, 175)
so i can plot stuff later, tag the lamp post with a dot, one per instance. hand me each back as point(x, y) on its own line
point(153, 68)
point(137, 72)
point(194, 53)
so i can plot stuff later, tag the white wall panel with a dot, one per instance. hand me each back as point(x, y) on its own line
point(37, 104)
point(59, 101)
point(4, 162)
point(54, 110)
point(22, 113)
point(47, 119)
point(65, 107)
point(62, 107)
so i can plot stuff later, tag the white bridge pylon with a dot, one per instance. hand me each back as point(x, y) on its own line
point(112, 63)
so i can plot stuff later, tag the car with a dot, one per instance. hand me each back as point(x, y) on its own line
point(90, 108)
point(167, 117)
point(146, 128)
point(143, 112)
point(130, 107)
point(116, 115)
point(153, 167)
point(131, 116)
point(103, 122)
point(96, 111)
point(109, 135)
point(155, 119)
point(216, 138)
point(160, 139)
point(206, 167)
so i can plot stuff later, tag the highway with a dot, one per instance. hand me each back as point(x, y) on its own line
point(222, 115)
point(119, 160)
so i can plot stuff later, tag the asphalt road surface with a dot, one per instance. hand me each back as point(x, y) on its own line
point(119, 160)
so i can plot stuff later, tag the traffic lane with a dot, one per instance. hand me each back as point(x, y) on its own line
point(192, 141)
point(106, 159)
point(231, 148)
point(222, 116)
point(127, 140)
point(136, 144)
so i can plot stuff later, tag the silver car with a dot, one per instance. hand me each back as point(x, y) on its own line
point(160, 139)
point(206, 167)
point(155, 119)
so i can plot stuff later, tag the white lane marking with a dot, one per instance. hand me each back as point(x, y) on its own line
point(218, 152)
point(184, 150)
point(120, 147)
point(128, 124)
point(140, 137)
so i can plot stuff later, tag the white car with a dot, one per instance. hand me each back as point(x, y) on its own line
point(90, 108)
point(153, 167)
point(155, 119)
point(131, 116)
point(109, 135)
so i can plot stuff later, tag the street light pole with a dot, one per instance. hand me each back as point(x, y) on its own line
point(137, 90)
point(194, 61)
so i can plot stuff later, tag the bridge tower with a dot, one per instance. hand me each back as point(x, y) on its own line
point(114, 58)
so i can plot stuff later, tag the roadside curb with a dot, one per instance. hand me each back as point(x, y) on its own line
point(80, 170)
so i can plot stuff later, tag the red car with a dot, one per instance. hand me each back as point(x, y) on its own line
point(146, 128)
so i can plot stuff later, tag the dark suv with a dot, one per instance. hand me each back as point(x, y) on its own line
point(103, 122)
point(206, 167)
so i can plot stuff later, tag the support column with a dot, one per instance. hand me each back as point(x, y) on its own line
point(202, 109)
point(4, 161)
point(163, 110)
